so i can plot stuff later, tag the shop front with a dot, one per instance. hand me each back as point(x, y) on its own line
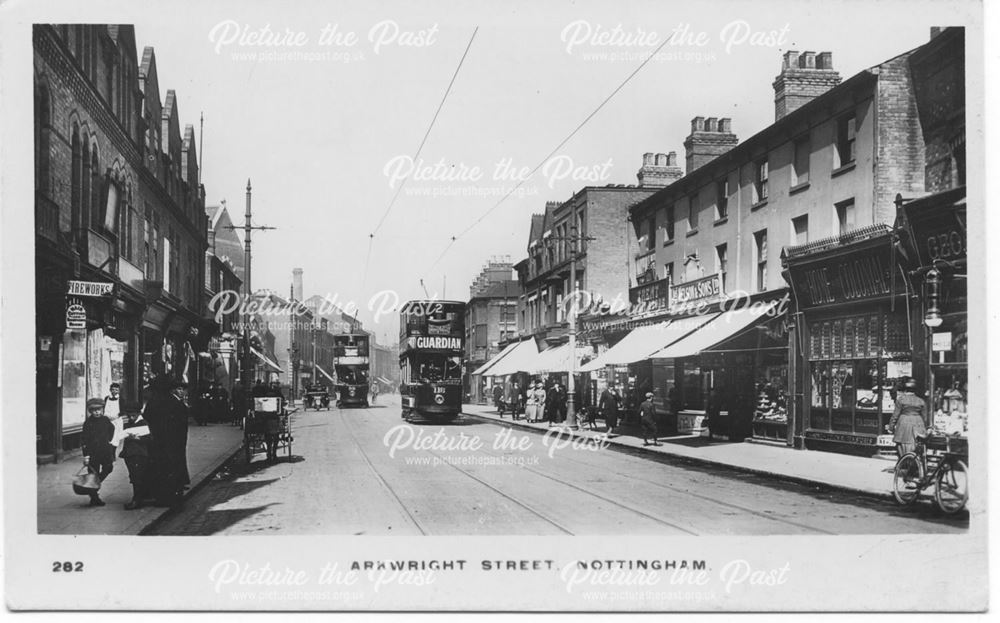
point(933, 233)
point(852, 343)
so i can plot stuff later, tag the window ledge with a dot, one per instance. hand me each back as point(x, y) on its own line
point(798, 188)
point(721, 221)
point(760, 204)
point(667, 243)
point(692, 232)
point(844, 169)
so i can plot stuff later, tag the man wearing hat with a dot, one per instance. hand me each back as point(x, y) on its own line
point(98, 453)
point(647, 415)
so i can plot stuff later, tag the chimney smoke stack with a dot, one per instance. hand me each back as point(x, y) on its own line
point(297, 284)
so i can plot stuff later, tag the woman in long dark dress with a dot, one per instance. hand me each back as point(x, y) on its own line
point(167, 415)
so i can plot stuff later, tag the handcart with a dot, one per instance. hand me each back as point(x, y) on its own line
point(268, 424)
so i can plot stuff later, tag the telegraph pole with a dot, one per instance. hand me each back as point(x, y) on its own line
point(247, 228)
point(574, 240)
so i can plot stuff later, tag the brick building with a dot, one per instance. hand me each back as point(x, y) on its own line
point(823, 176)
point(490, 321)
point(120, 227)
point(221, 361)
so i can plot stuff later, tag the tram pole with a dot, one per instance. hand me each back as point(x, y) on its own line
point(247, 228)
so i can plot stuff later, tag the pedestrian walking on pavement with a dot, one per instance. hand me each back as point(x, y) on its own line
point(907, 421)
point(560, 402)
point(96, 437)
point(608, 404)
point(167, 415)
point(551, 410)
point(647, 419)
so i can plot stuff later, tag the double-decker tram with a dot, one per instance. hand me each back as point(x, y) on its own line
point(431, 351)
point(350, 363)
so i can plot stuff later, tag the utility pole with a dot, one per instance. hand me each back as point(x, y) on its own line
point(245, 366)
point(574, 240)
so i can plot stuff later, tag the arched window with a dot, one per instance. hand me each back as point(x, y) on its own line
point(42, 155)
point(96, 209)
point(85, 207)
point(76, 176)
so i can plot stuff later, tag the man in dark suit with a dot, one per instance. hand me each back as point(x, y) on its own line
point(647, 418)
point(609, 404)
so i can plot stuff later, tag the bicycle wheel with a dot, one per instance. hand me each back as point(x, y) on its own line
point(951, 487)
point(907, 479)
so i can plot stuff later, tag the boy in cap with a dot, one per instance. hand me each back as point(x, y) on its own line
point(98, 453)
point(647, 414)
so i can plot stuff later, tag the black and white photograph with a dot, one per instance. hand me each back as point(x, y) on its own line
point(515, 307)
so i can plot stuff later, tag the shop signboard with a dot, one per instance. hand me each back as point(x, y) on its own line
point(76, 315)
point(90, 288)
point(937, 226)
point(865, 273)
point(705, 289)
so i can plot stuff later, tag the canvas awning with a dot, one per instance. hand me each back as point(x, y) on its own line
point(720, 329)
point(267, 360)
point(520, 359)
point(642, 342)
point(556, 359)
point(489, 364)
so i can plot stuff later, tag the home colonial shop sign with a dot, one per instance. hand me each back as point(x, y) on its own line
point(862, 274)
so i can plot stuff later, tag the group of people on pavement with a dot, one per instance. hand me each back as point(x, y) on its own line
point(612, 404)
point(536, 402)
point(155, 456)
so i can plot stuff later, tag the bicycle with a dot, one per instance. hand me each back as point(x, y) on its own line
point(938, 460)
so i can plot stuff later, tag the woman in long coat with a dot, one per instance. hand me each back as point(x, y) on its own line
point(167, 414)
point(908, 419)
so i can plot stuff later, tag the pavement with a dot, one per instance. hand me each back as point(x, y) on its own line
point(60, 511)
point(828, 470)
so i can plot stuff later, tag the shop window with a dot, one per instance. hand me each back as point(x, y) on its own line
point(691, 387)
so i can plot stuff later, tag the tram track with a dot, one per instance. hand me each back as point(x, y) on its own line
point(676, 490)
point(382, 482)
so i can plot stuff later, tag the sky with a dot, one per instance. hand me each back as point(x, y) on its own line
point(326, 140)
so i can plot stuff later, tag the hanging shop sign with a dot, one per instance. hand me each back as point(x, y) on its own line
point(76, 315)
point(90, 288)
point(938, 227)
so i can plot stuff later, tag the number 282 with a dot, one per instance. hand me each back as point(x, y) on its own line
point(66, 567)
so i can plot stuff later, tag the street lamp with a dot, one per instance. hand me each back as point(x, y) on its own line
point(932, 317)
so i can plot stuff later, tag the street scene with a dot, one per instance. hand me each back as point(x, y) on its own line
point(746, 316)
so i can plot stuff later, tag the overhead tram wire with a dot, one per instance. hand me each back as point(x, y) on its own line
point(551, 153)
point(423, 141)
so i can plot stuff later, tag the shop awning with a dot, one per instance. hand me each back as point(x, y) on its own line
point(642, 342)
point(320, 368)
point(264, 358)
point(489, 364)
point(723, 327)
point(520, 359)
point(555, 359)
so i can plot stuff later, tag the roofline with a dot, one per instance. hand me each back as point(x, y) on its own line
point(694, 178)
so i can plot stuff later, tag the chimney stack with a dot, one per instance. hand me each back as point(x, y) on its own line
point(709, 139)
point(659, 170)
point(297, 284)
point(803, 77)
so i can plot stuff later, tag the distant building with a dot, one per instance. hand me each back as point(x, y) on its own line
point(490, 320)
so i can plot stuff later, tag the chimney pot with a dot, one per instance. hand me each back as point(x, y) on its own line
point(824, 60)
point(698, 124)
point(807, 60)
point(672, 159)
point(725, 125)
point(647, 158)
point(791, 60)
point(712, 124)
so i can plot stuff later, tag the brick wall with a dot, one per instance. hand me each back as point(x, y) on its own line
point(900, 158)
